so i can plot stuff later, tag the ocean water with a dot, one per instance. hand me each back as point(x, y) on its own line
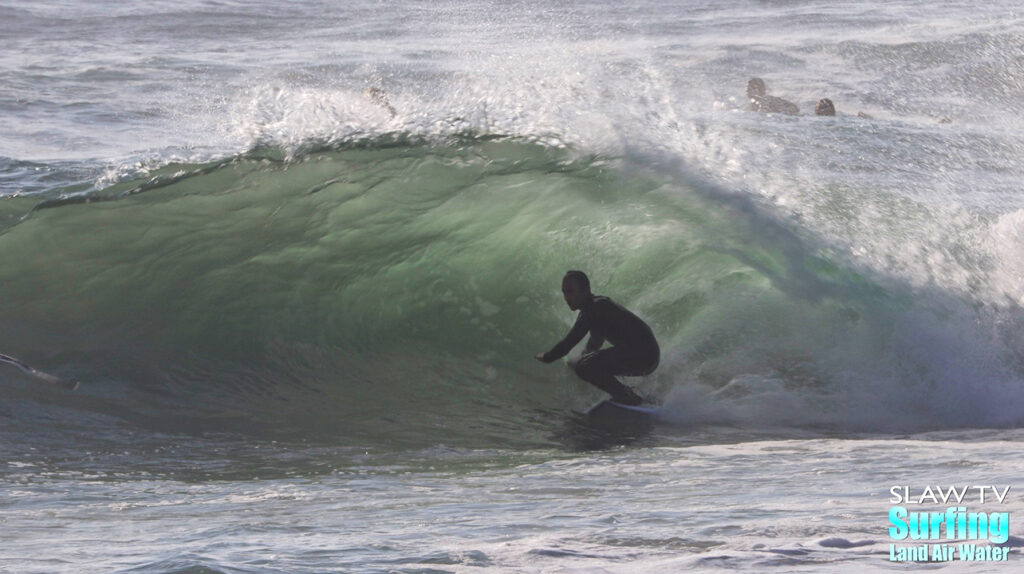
point(303, 316)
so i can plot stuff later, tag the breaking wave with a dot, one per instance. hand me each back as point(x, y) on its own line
point(394, 291)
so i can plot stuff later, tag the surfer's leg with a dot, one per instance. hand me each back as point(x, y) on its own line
point(599, 369)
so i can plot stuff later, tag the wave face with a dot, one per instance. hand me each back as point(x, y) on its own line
point(394, 292)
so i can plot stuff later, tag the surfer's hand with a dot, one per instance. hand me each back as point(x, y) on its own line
point(540, 357)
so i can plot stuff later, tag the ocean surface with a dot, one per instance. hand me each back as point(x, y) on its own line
point(300, 256)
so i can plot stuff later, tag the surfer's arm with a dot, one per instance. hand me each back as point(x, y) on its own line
point(563, 347)
point(601, 314)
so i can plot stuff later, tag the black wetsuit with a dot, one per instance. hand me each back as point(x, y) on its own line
point(635, 351)
point(772, 104)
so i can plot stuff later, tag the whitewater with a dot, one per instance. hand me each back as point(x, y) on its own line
point(299, 258)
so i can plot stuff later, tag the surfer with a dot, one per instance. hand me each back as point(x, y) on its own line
point(825, 107)
point(380, 97)
point(760, 101)
point(634, 352)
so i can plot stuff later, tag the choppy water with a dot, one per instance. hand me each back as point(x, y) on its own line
point(303, 320)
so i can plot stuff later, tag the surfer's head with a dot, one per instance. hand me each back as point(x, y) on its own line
point(575, 289)
point(825, 107)
point(756, 88)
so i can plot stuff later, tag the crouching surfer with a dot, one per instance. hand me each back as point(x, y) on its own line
point(634, 352)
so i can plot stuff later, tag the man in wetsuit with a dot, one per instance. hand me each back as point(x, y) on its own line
point(635, 351)
point(760, 101)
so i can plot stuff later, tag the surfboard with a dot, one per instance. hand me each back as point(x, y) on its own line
point(609, 406)
point(31, 371)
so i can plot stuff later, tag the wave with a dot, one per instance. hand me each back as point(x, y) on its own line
point(394, 291)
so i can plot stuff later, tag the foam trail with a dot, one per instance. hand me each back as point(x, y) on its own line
point(32, 371)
